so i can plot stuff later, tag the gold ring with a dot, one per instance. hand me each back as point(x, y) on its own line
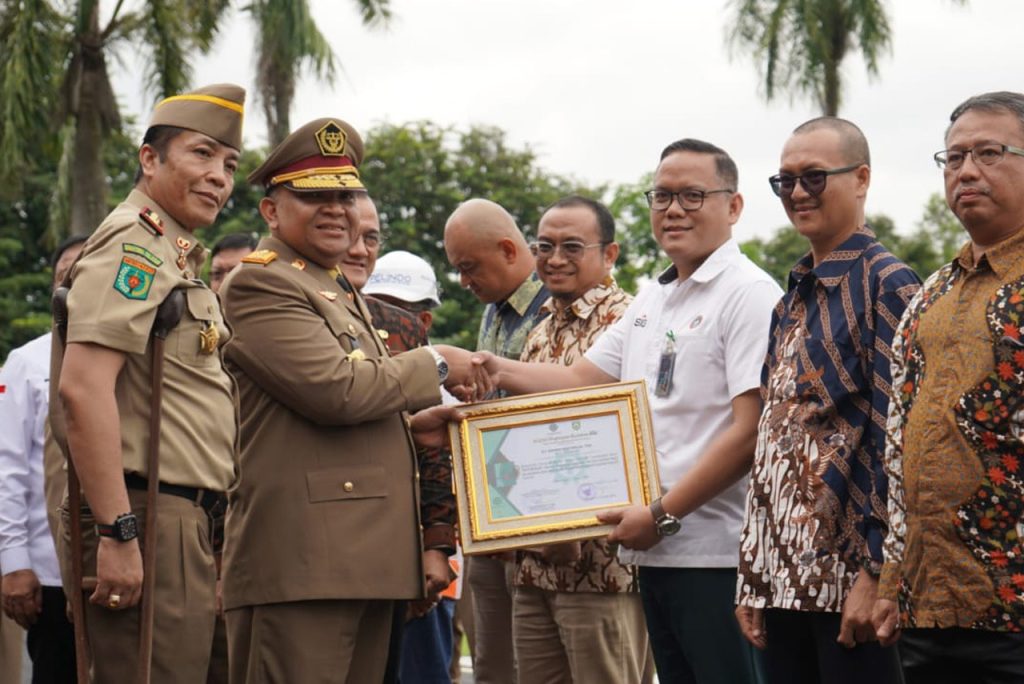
point(114, 601)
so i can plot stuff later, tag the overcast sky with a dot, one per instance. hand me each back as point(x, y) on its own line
point(597, 88)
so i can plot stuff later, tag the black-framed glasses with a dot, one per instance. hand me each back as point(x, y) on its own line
point(690, 199)
point(813, 182)
point(983, 153)
point(570, 249)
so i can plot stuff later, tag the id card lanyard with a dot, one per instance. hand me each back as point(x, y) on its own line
point(666, 366)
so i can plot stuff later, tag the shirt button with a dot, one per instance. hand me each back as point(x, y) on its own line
point(348, 486)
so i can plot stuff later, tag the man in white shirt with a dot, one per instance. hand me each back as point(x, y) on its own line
point(31, 586)
point(698, 336)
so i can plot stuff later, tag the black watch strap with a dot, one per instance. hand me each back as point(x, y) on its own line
point(124, 528)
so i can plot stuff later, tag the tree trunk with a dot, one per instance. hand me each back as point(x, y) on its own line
point(88, 203)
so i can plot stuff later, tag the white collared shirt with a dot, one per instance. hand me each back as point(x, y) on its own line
point(25, 539)
point(720, 318)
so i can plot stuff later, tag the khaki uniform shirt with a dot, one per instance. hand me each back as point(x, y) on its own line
point(125, 272)
point(326, 505)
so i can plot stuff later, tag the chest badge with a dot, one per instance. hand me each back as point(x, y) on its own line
point(208, 338)
point(328, 295)
point(183, 246)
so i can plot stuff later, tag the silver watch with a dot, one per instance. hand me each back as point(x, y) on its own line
point(442, 365)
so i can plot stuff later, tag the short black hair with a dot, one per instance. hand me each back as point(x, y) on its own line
point(234, 241)
point(605, 220)
point(159, 138)
point(724, 165)
point(64, 246)
point(1002, 100)
point(851, 138)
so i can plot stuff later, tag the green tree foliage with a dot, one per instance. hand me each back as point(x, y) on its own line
point(640, 256)
point(420, 172)
point(799, 45)
point(288, 40)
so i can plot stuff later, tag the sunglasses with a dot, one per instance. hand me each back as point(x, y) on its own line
point(813, 182)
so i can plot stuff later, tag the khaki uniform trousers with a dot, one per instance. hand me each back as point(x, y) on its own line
point(309, 642)
point(185, 597)
point(12, 643)
point(565, 637)
point(490, 581)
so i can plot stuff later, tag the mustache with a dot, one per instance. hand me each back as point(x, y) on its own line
point(970, 188)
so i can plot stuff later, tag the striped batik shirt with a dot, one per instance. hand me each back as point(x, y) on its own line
point(816, 508)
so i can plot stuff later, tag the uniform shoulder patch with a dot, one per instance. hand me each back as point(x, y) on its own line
point(260, 256)
point(134, 278)
point(142, 252)
point(152, 220)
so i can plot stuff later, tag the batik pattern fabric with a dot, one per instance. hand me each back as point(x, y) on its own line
point(816, 508)
point(956, 447)
point(401, 331)
point(562, 338)
point(506, 324)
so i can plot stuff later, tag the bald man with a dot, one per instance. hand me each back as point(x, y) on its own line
point(487, 248)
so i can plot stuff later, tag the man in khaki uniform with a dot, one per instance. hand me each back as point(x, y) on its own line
point(141, 252)
point(323, 530)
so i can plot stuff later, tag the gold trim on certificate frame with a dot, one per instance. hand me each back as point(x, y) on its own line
point(489, 513)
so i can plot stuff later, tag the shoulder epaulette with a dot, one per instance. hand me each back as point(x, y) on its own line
point(260, 256)
point(152, 220)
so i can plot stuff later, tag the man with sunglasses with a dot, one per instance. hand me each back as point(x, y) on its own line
point(577, 616)
point(697, 334)
point(811, 547)
point(953, 579)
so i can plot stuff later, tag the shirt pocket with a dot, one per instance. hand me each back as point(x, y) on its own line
point(201, 331)
point(351, 335)
point(367, 481)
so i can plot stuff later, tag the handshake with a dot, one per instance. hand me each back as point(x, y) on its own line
point(472, 376)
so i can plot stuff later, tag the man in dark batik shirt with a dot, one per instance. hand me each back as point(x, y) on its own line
point(811, 547)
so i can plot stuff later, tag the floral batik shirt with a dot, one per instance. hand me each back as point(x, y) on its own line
point(563, 338)
point(816, 508)
point(955, 454)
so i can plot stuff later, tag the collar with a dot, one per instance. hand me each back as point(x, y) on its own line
point(585, 304)
point(999, 258)
point(714, 264)
point(831, 271)
point(179, 238)
point(523, 295)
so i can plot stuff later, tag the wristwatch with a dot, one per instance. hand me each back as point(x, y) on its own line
point(124, 528)
point(442, 365)
point(666, 523)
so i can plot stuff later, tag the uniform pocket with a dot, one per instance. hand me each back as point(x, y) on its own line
point(351, 482)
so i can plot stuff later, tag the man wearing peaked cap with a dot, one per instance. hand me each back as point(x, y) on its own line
point(144, 250)
point(323, 532)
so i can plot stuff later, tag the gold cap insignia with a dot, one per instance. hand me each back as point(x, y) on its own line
point(327, 294)
point(331, 140)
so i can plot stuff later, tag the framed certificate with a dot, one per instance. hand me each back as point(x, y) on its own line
point(535, 469)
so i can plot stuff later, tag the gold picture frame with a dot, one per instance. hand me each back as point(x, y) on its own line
point(535, 469)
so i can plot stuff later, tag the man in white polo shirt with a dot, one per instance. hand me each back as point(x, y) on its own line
point(698, 336)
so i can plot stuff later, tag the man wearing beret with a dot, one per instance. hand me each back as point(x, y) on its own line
point(141, 252)
point(323, 529)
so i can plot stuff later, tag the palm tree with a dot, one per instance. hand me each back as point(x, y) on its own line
point(287, 40)
point(55, 79)
point(799, 45)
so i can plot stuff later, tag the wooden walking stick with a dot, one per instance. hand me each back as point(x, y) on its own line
point(168, 314)
point(75, 595)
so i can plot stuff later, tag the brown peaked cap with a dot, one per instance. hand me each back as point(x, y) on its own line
point(325, 154)
point(215, 110)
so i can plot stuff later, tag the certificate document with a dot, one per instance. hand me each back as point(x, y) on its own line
point(560, 465)
point(536, 469)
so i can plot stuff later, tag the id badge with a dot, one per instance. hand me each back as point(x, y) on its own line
point(666, 366)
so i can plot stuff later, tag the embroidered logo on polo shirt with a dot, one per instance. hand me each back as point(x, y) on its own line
point(697, 320)
point(640, 321)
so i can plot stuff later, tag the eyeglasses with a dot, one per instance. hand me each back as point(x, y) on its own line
point(983, 153)
point(813, 182)
point(689, 199)
point(570, 249)
point(372, 240)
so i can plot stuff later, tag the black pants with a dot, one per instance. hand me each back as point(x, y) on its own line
point(51, 642)
point(802, 649)
point(957, 655)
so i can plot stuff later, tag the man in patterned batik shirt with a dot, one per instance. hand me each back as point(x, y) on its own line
point(577, 615)
point(953, 578)
point(811, 547)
